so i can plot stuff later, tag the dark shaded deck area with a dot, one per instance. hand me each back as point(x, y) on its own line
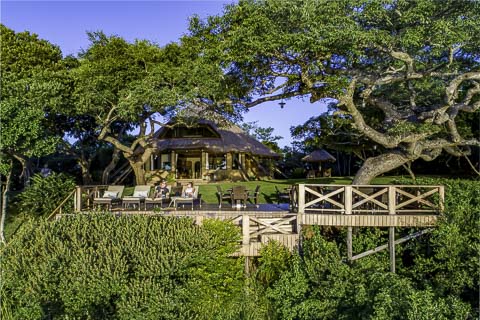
point(207, 208)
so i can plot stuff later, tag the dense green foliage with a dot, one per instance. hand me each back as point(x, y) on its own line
point(437, 275)
point(102, 266)
point(132, 267)
point(33, 84)
point(44, 194)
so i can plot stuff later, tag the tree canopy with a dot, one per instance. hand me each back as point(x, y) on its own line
point(34, 87)
point(406, 73)
point(135, 84)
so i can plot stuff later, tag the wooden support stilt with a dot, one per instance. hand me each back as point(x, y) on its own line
point(349, 243)
point(247, 265)
point(348, 211)
point(299, 232)
point(391, 247)
point(391, 230)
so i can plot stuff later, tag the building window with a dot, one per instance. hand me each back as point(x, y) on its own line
point(217, 162)
point(166, 163)
point(236, 161)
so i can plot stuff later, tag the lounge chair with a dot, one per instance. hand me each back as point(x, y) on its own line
point(111, 196)
point(140, 193)
point(156, 200)
point(183, 199)
point(222, 196)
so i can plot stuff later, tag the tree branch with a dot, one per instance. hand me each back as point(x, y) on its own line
point(271, 98)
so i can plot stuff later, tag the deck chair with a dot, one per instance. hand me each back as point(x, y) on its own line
point(195, 198)
point(111, 196)
point(283, 197)
point(239, 195)
point(254, 196)
point(156, 200)
point(140, 192)
point(222, 196)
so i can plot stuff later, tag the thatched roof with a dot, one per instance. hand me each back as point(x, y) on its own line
point(319, 156)
point(228, 139)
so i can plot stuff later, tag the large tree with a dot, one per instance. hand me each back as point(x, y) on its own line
point(136, 84)
point(406, 73)
point(34, 84)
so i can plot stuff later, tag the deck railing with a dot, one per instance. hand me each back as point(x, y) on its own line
point(84, 196)
point(371, 199)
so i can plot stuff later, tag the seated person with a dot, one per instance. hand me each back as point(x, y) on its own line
point(46, 171)
point(188, 191)
point(162, 191)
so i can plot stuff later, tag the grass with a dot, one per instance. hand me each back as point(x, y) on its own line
point(267, 187)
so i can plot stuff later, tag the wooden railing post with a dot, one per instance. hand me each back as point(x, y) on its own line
point(199, 219)
point(347, 196)
point(441, 198)
point(348, 199)
point(246, 229)
point(78, 199)
point(392, 203)
point(301, 198)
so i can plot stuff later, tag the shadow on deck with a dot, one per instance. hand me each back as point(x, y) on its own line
point(206, 208)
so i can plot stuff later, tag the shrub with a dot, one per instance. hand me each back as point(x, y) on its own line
point(45, 194)
point(101, 266)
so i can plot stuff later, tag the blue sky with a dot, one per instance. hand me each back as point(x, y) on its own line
point(65, 23)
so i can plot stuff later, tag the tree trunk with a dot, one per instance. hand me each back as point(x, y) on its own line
point(5, 190)
point(113, 163)
point(137, 167)
point(85, 167)
point(338, 164)
point(26, 172)
point(349, 164)
point(374, 167)
point(408, 167)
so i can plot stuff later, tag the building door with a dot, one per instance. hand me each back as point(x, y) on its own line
point(188, 166)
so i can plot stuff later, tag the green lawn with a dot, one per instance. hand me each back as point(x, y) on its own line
point(267, 187)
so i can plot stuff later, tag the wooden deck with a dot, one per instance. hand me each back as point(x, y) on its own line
point(310, 204)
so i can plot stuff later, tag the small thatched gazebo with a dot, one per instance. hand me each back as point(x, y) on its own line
point(319, 156)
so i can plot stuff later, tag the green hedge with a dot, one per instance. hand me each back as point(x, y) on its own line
point(100, 266)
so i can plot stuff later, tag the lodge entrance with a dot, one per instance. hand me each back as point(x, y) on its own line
point(189, 166)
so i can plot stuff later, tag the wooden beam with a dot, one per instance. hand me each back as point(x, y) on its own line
point(349, 243)
point(392, 202)
point(385, 246)
point(391, 247)
point(246, 229)
point(301, 198)
point(78, 199)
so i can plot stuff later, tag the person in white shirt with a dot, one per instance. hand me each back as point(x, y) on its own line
point(189, 190)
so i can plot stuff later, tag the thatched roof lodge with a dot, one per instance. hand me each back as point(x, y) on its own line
point(209, 152)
